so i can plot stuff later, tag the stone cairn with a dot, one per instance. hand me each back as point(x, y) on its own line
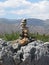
point(24, 33)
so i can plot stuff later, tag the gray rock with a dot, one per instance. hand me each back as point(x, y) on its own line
point(34, 53)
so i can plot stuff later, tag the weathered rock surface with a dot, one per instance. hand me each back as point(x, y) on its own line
point(34, 53)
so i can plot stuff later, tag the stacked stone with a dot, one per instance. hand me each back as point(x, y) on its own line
point(24, 35)
point(24, 28)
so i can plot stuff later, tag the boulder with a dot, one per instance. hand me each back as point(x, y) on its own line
point(34, 53)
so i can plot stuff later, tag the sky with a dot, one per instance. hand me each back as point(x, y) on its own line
point(18, 9)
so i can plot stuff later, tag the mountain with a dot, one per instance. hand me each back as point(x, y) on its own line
point(35, 25)
point(29, 21)
point(8, 21)
point(36, 22)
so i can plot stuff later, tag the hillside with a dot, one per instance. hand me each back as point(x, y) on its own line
point(35, 25)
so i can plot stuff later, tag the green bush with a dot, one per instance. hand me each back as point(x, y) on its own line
point(9, 37)
point(14, 36)
point(38, 36)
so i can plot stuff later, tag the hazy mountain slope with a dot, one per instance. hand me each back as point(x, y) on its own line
point(35, 25)
point(36, 22)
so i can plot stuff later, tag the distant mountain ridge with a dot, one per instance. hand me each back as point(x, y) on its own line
point(8, 21)
point(30, 20)
point(35, 25)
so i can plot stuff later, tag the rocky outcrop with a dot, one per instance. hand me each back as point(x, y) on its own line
point(34, 53)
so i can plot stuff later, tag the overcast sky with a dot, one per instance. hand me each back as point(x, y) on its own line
point(17, 9)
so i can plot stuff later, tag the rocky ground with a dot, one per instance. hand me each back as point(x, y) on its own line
point(34, 53)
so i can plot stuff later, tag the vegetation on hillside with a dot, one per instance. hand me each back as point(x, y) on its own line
point(43, 37)
point(14, 36)
point(10, 37)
